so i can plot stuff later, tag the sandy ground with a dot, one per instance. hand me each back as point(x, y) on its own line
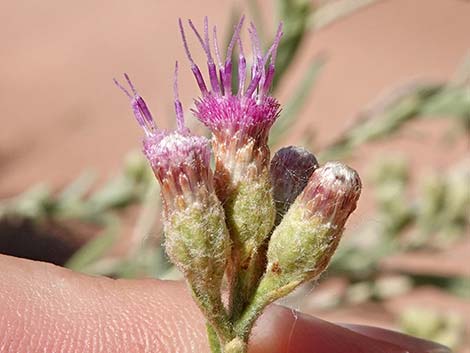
point(61, 114)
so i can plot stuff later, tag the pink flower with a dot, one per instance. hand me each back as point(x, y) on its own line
point(180, 160)
point(250, 111)
point(239, 120)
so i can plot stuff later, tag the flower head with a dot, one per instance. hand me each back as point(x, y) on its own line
point(196, 236)
point(180, 160)
point(240, 121)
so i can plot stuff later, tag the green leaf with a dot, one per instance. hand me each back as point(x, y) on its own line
point(77, 189)
point(295, 15)
point(384, 119)
point(296, 102)
point(95, 248)
point(336, 10)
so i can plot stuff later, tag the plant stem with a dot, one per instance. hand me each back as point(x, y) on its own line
point(214, 342)
point(214, 311)
point(271, 288)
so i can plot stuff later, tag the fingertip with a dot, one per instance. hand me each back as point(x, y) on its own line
point(282, 330)
point(49, 309)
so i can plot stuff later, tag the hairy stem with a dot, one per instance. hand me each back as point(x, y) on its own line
point(214, 343)
point(271, 288)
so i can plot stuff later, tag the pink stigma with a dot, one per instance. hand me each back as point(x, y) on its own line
point(178, 106)
point(261, 74)
point(139, 107)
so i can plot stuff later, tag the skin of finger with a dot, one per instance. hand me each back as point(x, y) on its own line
point(45, 308)
point(290, 331)
point(412, 344)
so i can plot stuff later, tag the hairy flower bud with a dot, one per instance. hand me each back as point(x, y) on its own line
point(196, 236)
point(303, 243)
point(291, 168)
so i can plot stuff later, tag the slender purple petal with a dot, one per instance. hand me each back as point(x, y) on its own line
point(241, 69)
point(194, 67)
point(178, 106)
point(139, 108)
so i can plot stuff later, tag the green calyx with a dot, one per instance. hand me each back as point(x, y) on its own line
point(198, 243)
point(302, 244)
point(299, 250)
point(250, 214)
point(197, 239)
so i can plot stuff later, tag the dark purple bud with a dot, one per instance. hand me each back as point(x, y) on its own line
point(291, 168)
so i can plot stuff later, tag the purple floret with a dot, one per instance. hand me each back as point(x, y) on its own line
point(250, 110)
point(170, 153)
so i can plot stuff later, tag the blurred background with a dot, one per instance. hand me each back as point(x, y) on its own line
point(382, 85)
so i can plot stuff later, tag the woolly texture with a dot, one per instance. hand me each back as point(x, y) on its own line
point(307, 237)
point(332, 193)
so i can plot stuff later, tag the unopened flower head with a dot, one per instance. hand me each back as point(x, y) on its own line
point(303, 243)
point(180, 160)
point(332, 193)
point(291, 168)
point(240, 120)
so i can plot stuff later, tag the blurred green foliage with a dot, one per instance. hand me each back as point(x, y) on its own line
point(447, 329)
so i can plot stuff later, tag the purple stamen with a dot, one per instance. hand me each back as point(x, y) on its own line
point(268, 81)
point(122, 88)
point(275, 44)
point(213, 77)
point(228, 56)
point(272, 53)
point(235, 37)
point(253, 84)
point(206, 46)
point(256, 49)
point(199, 79)
point(198, 36)
point(241, 68)
point(131, 85)
point(216, 48)
point(212, 68)
point(185, 43)
point(206, 38)
point(139, 108)
point(194, 68)
point(178, 106)
point(223, 80)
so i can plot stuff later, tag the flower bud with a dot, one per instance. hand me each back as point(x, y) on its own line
point(303, 243)
point(291, 168)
